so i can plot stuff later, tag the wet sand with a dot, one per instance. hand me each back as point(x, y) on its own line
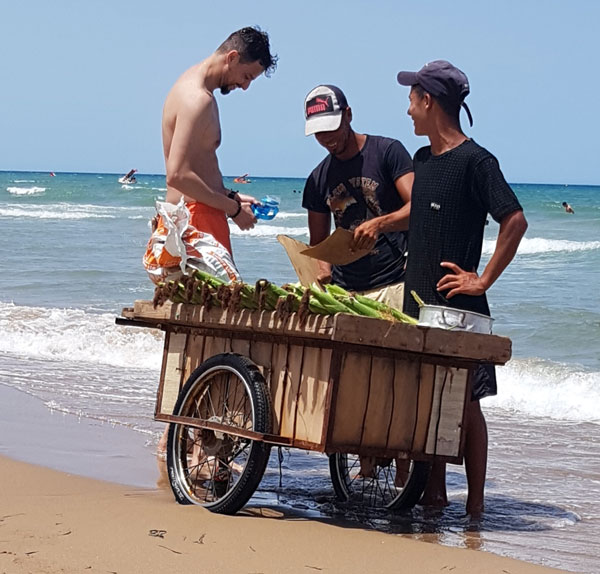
point(55, 521)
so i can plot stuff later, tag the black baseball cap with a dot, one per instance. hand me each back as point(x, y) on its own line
point(442, 80)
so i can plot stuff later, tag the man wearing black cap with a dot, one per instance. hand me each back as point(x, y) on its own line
point(457, 183)
point(365, 182)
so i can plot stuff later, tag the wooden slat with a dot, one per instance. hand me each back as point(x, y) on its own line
point(380, 403)
point(445, 425)
point(194, 353)
point(172, 371)
point(351, 399)
point(261, 354)
point(314, 383)
point(240, 346)
point(377, 333)
point(424, 400)
point(214, 346)
point(489, 348)
point(277, 382)
point(291, 386)
point(405, 405)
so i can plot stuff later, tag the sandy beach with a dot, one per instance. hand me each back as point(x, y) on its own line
point(56, 522)
point(53, 521)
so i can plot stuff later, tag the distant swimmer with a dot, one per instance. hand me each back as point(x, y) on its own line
point(52, 174)
point(567, 207)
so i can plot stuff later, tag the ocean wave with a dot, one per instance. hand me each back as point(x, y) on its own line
point(49, 214)
point(261, 230)
point(25, 190)
point(535, 245)
point(74, 335)
point(541, 388)
point(23, 180)
point(71, 211)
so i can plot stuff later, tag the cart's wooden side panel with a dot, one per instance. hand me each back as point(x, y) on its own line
point(348, 413)
point(215, 346)
point(173, 370)
point(261, 353)
point(291, 388)
point(405, 399)
point(194, 353)
point(240, 346)
point(445, 423)
point(426, 380)
point(312, 395)
point(277, 384)
point(380, 404)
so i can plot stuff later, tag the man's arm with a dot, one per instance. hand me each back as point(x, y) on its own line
point(365, 235)
point(319, 228)
point(512, 229)
point(191, 148)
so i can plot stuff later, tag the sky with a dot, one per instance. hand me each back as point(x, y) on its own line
point(83, 82)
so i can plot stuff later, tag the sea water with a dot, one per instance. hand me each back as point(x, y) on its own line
point(72, 248)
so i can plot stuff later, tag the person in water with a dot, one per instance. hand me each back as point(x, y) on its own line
point(568, 208)
point(191, 134)
point(457, 183)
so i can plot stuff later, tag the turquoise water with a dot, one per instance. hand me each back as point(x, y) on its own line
point(72, 259)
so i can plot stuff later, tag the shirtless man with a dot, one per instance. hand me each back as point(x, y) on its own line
point(191, 132)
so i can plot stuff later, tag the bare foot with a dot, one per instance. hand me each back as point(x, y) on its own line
point(367, 467)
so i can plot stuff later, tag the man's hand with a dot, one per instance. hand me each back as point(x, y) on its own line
point(365, 235)
point(247, 198)
point(245, 218)
point(324, 275)
point(460, 281)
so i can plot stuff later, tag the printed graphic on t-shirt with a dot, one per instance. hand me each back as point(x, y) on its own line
point(347, 211)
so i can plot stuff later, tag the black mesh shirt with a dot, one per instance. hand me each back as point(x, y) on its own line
point(451, 197)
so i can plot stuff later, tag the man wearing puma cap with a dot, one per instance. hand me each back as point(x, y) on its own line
point(457, 183)
point(365, 183)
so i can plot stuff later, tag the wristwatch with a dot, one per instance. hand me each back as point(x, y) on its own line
point(233, 195)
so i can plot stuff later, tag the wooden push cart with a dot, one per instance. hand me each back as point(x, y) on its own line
point(368, 392)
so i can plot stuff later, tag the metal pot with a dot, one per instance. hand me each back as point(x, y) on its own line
point(458, 319)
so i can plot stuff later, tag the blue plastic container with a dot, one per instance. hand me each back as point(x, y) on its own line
point(267, 208)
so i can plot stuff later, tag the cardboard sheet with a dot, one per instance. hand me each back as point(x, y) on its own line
point(307, 268)
point(336, 249)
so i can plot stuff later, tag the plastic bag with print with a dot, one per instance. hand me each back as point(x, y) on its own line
point(176, 247)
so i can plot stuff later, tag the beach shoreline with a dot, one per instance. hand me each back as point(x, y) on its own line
point(55, 520)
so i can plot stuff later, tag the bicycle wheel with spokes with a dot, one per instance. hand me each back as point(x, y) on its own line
point(378, 482)
point(213, 468)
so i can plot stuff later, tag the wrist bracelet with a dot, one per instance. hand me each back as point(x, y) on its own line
point(239, 203)
point(232, 195)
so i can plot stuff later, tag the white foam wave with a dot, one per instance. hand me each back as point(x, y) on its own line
point(291, 215)
point(25, 190)
point(23, 180)
point(540, 388)
point(535, 245)
point(70, 211)
point(261, 230)
point(74, 335)
point(51, 214)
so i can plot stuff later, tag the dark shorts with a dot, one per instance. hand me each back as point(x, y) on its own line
point(484, 382)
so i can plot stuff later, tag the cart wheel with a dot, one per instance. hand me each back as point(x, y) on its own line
point(218, 470)
point(379, 489)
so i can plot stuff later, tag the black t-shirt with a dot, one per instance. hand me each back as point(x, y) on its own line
point(451, 197)
point(336, 187)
